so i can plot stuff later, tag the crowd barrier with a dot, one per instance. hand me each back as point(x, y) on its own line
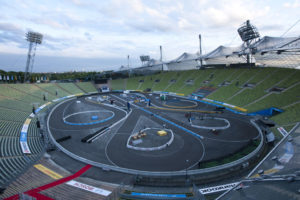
point(23, 137)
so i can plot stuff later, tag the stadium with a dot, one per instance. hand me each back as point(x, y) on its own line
point(221, 125)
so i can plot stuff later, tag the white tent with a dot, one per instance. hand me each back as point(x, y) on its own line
point(224, 55)
point(186, 61)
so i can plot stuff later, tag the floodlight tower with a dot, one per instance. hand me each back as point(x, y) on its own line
point(33, 38)
point(249, 35)
point(144, 58)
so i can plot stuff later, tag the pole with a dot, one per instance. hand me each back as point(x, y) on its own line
point(200, 52)
point(26, 75)
point(32, 59)
point(128, 61)
point(160, 48)
point(162, 66)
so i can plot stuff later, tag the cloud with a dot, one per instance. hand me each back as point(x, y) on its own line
point(88, 36)
point(271, 27)
point(228, 14)
point(294, 4)
point(10, 33)
point(8, 27)
point(116, 28)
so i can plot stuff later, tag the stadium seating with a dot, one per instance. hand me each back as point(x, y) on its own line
point(16, 103)
point(118, 84)
point(70, 88)
point(241, 77)
point(165, 81)
point(180, 81)
point(12, 160)
point(6, 102)
point(8, 90)
point(254, 97)
point(86, 87)
point(268, 80)
point(33, 90)
point(10, 128)
point(189, 88)
point(53, 88)
point(12, 115)
point(148, 82)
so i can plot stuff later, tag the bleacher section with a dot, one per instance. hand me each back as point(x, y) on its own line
point(166, 81)
point(33, 90)
point(265, 81)
point(34, 178)
point(53, 89)
point(243, 87)
point(240, 78)
point(86, 87)
point(118, 84)
point(182, 77)
point(133, 83)
point(70, 88)
point(8, 90)
point(17, 100)
point(16, 103)
point(148, 83)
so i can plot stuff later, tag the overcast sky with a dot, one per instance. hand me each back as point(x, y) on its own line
point(98, 35)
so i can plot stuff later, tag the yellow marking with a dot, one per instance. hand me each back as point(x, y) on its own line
point(79, 94)
point(46, 104)
point(48, 172)
point(234, 107)
point(185, 110)
point(269, 171)
point(193, 106)
point(241, 109)
point(180, 94)
point(27, 121)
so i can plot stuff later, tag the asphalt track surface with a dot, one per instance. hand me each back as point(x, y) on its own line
point(185, 152)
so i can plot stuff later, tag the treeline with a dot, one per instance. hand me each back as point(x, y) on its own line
point(18, 77)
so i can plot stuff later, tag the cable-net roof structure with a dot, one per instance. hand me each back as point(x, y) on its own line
point(224, 55)
point(266, 52)
point(185, 61)
point(278, 52)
